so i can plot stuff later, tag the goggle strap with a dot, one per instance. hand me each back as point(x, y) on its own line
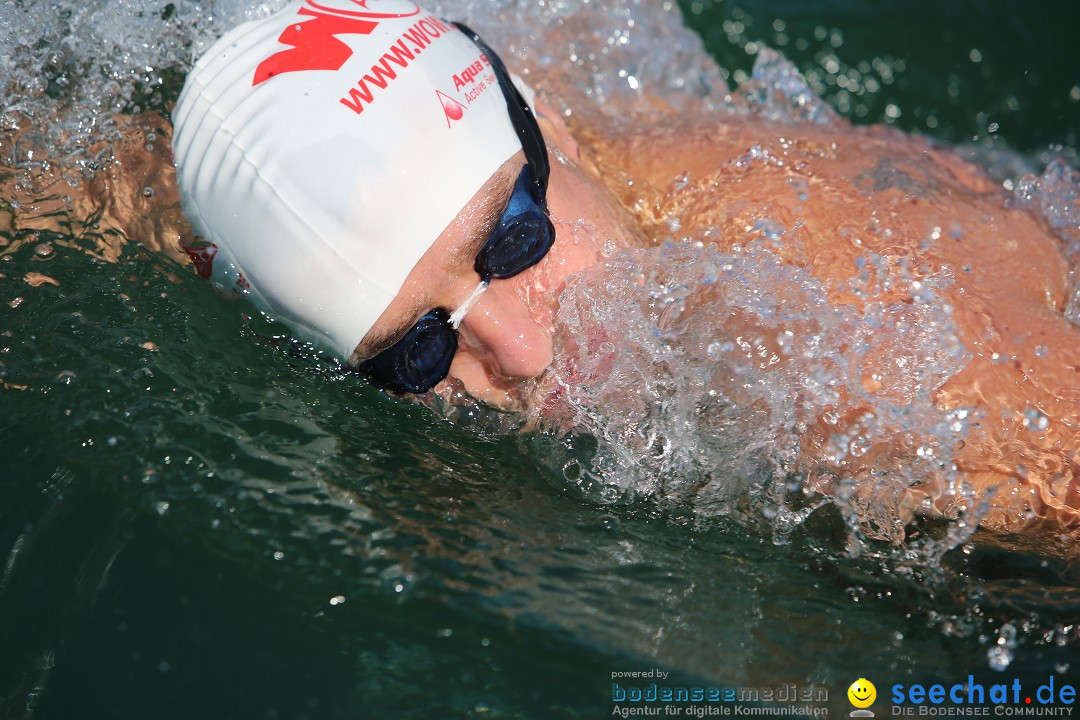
point(532, 141)
point(459, 315)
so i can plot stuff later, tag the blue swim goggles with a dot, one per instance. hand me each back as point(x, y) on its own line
point(523, 236)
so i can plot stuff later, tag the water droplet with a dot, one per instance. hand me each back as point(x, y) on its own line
point(44, 251)
point(999, 658)
point(15, 303)
point(278, 555)
point(1035, 420)
point(608, 522)
point(337, 600)
point(838, 447)
point(66, 377)
point(161, 507)
point(1041, 351)
point(610, 493)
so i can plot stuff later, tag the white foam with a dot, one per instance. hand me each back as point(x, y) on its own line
point(700, 371)
point(68, 70)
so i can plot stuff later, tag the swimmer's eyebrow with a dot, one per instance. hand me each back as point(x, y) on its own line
point(489, 212)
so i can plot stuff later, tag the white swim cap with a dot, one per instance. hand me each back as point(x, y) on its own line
point(321, 151)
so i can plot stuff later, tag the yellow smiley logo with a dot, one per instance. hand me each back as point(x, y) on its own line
point(862, 693)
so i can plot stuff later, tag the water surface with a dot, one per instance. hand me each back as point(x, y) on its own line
point(196, 523)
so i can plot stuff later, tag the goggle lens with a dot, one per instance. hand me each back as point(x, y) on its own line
point(524, 235)
point(418, 361)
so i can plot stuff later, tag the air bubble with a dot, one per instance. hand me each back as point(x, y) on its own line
point(608, 522)
point(1035, 420)
point(999, 658)
point(610, 494)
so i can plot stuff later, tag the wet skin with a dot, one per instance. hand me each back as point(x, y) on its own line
point(845, 192)
point(841, 192)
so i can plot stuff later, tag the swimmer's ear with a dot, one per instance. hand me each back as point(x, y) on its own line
point(555, 131)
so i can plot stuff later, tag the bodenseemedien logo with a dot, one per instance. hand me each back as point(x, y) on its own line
point(862, 694)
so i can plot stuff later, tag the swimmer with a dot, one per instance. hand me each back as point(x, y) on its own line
point(377, 179)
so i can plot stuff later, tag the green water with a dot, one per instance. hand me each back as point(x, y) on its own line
point(984, 71)
point(214, 529)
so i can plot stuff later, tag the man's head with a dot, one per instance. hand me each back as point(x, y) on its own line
point(360, 168)
point(323, 150)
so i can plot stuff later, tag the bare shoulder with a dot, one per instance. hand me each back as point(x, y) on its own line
point(834, 196)
point(658, 154)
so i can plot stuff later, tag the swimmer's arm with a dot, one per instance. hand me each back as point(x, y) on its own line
point(653, 160)
point(132, 198)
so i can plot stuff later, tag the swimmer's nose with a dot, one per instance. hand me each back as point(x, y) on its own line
point(501, 333)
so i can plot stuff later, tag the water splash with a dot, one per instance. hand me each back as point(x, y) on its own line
point(1055, 196)
point(69, 72)
point(72, 75)
point(776, 91)
point(731, 384)
point(610, 61)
